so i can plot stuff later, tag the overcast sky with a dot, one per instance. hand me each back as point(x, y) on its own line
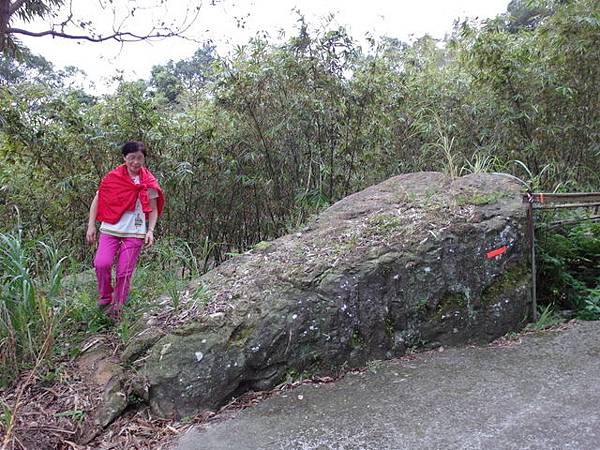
point(221, 23)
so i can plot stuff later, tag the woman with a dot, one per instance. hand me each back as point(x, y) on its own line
point(128, 204)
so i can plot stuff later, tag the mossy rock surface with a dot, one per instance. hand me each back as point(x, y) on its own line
point(400, 265)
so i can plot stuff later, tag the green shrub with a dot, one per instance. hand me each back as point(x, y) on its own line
point(569, 273)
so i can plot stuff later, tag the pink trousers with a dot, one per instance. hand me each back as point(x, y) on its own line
point(126, 251)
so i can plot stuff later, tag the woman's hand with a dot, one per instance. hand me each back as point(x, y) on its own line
point(152, 217)
point(90, 235)
point(149, 239)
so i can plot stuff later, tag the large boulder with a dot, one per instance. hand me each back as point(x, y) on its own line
point(419, 260)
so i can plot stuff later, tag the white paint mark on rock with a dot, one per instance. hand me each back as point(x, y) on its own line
point(164, 350)
point(199, 356)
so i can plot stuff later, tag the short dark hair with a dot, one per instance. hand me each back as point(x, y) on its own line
point(132, 147)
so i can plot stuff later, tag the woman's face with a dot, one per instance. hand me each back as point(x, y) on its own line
point(134, 162)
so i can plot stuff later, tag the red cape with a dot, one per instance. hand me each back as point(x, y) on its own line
point(118, 193)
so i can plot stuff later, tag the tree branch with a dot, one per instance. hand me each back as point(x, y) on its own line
point(119, 36)
point(49, 8)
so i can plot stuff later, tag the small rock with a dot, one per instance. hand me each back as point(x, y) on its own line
point(217, 315)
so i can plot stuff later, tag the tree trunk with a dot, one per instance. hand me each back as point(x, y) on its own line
point(4, 18)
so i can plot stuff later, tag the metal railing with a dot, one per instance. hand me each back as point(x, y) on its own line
point(550, 201)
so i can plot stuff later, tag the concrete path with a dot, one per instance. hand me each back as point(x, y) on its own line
point(541, 394)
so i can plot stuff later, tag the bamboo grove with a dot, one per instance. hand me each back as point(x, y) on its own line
point(250, 144)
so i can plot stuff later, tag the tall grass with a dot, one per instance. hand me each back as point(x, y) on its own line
point(30, 277)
